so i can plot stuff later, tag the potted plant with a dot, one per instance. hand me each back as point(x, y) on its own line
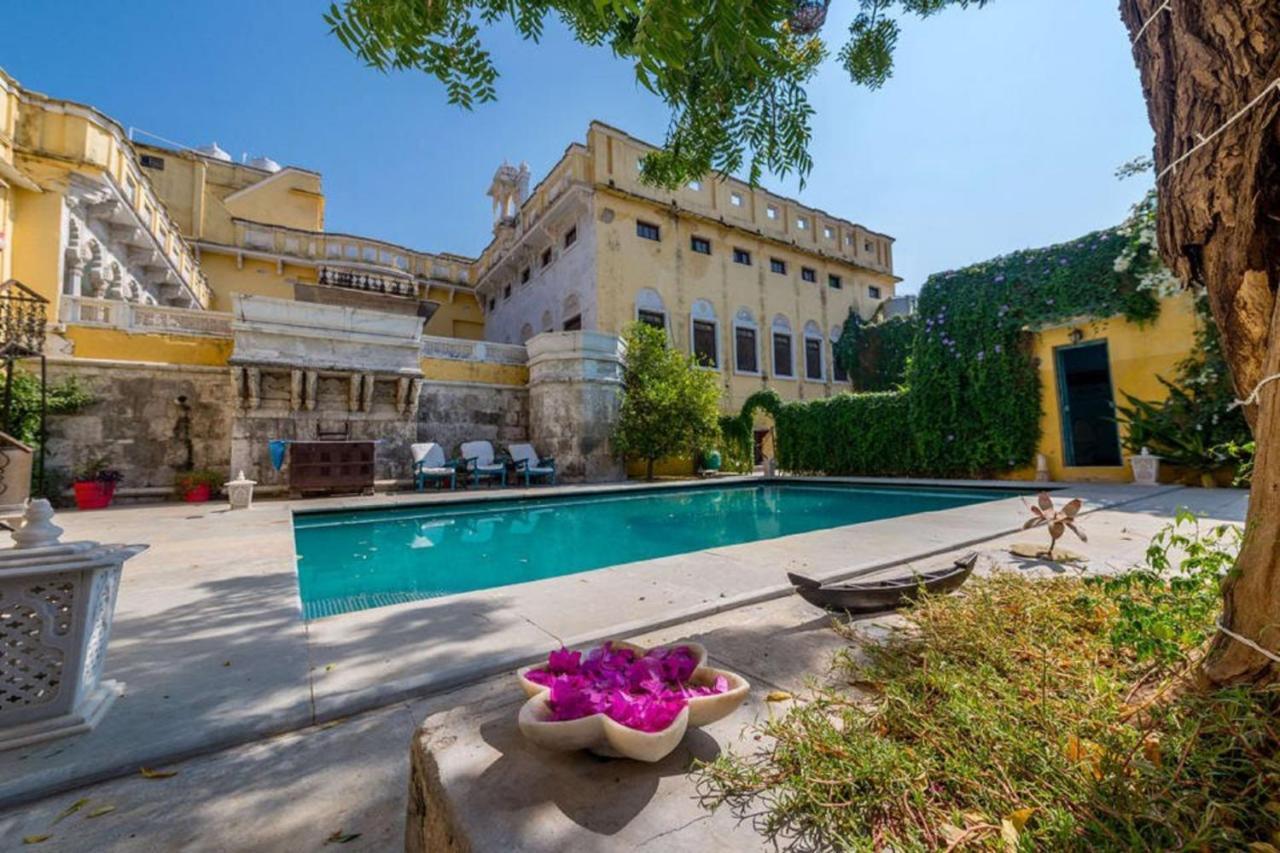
point(95, 483)
point(197, 486)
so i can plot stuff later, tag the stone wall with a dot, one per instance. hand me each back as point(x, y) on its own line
point(575, 389)
point(276, 417)
point(150, 419)
point(450, 413)
point(139, 421)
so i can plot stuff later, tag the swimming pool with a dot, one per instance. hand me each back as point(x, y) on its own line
point(355, 560)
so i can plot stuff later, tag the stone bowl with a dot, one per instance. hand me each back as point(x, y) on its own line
point(603, 736)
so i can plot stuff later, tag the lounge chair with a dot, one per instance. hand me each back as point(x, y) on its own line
point(429, 464)
point(481, 462)
point(528, 461)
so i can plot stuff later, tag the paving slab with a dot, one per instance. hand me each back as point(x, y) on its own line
point(211, 644)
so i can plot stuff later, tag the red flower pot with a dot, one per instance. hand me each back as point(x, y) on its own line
point(94, 494)
point(197, 494)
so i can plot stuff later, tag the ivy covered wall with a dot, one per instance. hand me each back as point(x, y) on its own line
point(972, 402)
point(875, 355)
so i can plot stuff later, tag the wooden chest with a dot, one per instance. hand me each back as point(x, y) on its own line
point(331, 466)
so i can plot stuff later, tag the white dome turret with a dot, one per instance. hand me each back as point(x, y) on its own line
point(213, 152)
point(265, 163)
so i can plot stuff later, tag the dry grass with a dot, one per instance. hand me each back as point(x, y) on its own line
point(1002, 721)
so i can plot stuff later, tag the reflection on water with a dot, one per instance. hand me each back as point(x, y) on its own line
point(355, 560)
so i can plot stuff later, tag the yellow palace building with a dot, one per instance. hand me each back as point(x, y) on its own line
point(754, 283)
point(162, 256)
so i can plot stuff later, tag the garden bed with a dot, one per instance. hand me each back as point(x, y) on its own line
point(1019, 716)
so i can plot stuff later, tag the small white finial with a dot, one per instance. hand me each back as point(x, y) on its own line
point(37, 527)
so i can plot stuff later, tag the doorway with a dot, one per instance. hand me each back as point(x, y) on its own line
point(1090, 436)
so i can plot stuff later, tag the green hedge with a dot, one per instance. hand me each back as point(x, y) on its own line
point(875, 355)
point(972, 401)
point(846, 434)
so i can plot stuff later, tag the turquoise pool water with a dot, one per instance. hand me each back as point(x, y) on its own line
point(370, 558)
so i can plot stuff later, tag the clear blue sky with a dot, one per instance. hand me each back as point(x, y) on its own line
point(1000, 130)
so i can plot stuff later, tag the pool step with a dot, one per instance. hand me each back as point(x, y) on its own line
point(363, 601)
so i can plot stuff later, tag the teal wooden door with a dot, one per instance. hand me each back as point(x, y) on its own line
point(1090, 436)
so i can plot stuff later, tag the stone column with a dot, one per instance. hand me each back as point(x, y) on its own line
point(575, 386)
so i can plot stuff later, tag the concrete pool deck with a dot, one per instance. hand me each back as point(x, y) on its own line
point(210, 642)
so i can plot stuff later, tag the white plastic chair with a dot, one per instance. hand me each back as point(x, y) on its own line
point(429, 464)
point(480, 461)
point(527, 460)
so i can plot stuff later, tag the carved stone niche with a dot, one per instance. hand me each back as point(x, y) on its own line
point(294, 351)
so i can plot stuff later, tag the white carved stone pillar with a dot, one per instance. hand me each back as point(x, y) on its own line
point(57, 601)
point(415, 395)
point(253, 387)
point(353, 393)
point(575, 389)
point(310, 390)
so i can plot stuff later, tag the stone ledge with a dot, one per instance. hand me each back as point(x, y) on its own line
point(476, 784)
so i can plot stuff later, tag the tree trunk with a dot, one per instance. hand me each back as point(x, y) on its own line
point(1202, 63)
point(649, 473)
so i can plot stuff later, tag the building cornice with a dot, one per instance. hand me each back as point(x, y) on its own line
point(341, 235)
point(732, 179)
point(315, 263)
point(674, 209)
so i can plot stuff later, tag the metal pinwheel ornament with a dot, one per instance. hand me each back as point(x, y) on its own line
point(1043, 513)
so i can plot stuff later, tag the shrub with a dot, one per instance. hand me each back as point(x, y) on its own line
point(63, 397)
point(1195, 426)
point(188, 480)
point(846, 434)
point(1001, 719)
point(670, 407)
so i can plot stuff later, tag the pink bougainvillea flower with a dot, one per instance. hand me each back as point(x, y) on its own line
point(643, 692)
point(564, 661)
point(540, 676)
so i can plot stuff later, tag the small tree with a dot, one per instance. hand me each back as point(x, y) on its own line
point(669, 405)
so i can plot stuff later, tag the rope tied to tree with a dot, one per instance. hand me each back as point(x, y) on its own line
point(1250, 643)
point(1273, 86)
point(1164, 7)
point(1253, 398)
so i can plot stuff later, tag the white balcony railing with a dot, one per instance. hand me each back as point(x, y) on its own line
point(460, 349)
point(86, 311)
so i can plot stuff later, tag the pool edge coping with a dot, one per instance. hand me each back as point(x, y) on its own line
point(325, 710)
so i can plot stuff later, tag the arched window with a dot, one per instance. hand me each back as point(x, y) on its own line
point(782, 355)
point(704, 334)
point(813, 357)
point(650, 308)
point(572, 313)
point(838, 373)
point(526, 332)
point(746, 343)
